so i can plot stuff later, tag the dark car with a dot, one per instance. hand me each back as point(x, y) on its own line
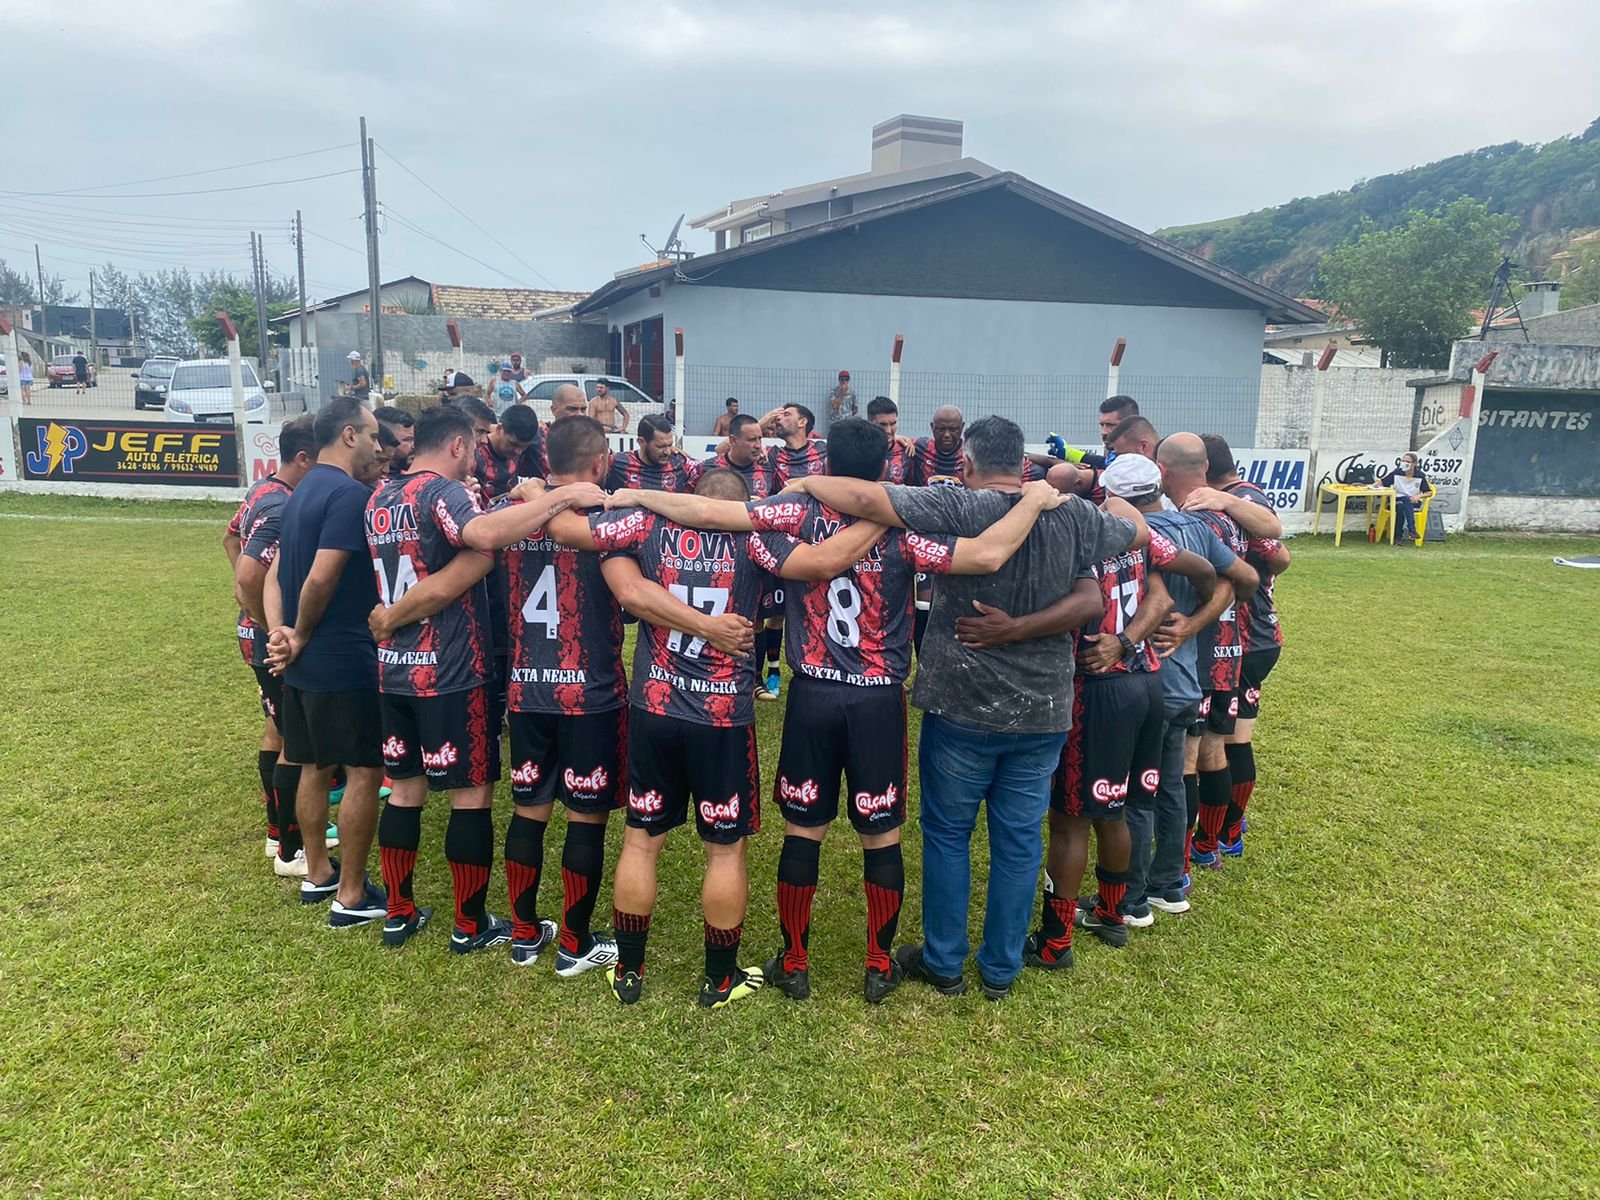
point(151, 383)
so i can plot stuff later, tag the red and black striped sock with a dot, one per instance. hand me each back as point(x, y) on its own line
point(399, 835)
point(1215, 789)
point(1113, 889)
point(524, 864)
point(633, 931)
point(286, 783)
point(774, 648)
point(884, 877)
point(266, 765)
point(1242, 770)
point(722, 952)
point(583, 859)
point(469, 849)
point(797, 885)
point(1056, 914)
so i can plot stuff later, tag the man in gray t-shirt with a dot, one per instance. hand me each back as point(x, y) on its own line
point(995, 681)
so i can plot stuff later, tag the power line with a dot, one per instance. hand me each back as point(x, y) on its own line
point(417, 229)
point(260, 162)
point(466, 218)
point(243, 187)
point(322, 237)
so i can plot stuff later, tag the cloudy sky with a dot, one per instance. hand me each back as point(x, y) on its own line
point(536, 145)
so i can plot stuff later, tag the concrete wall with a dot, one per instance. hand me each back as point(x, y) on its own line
point(1360, 405)
point(1575, 327)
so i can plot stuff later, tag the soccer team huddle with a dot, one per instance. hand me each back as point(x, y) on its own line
point(1092, 636)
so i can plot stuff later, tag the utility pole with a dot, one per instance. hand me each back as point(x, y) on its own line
point(44, 309)
point(133, 329)
point(369, 178)
point(94, 341)
point(258, 258)
point(300, 260)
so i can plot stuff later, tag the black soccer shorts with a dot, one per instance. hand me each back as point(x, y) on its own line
point(269, 688)
point(1114, 746)
point(1220, 711)
point(671, 761)
point(1253, 674)
point(447, 738)
point(578, 757)
point(330, 729)
point(829, 729)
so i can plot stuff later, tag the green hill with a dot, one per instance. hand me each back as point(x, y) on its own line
point(1552, 189)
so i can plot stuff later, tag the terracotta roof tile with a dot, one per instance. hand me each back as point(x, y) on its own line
point(498, 304)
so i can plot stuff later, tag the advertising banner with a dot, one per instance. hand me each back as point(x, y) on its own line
point(67, 451)
point(261, 452)
point(1281, 474)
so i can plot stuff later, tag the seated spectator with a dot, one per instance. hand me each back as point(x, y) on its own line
point(1411, 488)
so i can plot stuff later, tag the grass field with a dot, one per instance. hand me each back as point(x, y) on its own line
point(1396, 993)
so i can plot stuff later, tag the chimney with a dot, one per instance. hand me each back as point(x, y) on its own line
point(1541, 298)
point(904, 142)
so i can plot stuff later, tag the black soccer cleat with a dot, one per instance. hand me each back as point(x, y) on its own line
point(745, 981)
point(794, 984)
point(1112, 933)
point(492, 931)
point(626, 986)
point(909, 959)
point(1037, 952)
point(397, 931)
point(878, 984)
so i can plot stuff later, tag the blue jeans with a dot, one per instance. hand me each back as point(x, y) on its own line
point(1159, 825)
point(962, 767)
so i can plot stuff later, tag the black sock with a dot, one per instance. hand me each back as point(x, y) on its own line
point(583, 860)
point(722, 952)
point(469, 849)
point(399, 835)
point(1191, 797)
point(266, 765)
point(286, 782)
point(633, 931)
point(1215, 791)
point(797, 884)
point(524, 865)
point(774, 648)
point(919, 626)
point(884, 877)
point(1242, 773)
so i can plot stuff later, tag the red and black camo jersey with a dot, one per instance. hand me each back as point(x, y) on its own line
point(1122, 591)
point(675, 675)
point(677, 474)
point(1258, 615)
point(756, 476)
point(256, 525)
point(930, 463)
point(899, 466)
point(854, 629)
point(497, 474)
point(566, 631)
point(534, 463)
point(414, 526)
point(1219, 645)
point(784, 464)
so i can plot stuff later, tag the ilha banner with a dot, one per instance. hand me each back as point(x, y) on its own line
point(128, 452)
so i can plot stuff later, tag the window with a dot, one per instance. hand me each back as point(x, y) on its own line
point(756, 232)
point(547, 389)
point(190, 377)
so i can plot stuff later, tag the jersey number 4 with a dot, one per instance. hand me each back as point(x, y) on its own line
point(540, 608)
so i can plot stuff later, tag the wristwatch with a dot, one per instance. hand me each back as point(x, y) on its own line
point(1127, 646)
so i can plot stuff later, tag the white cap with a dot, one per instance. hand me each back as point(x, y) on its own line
point(353, 355)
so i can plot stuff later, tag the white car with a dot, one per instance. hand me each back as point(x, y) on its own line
point(540, 388)
point(201, 392)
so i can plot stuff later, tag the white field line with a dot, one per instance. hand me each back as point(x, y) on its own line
point(106, 520)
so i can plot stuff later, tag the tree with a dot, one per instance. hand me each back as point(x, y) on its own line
point(20, 287)
point(1582, 283)
point(1412, 289)
point(227, 295)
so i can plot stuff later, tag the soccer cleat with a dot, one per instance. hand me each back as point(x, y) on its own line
point(1138, 916)
point(794, 984)
point(316, 893)
point(602, 952)
point(745, 981)
point(335, 795)
point(1206, 860)
point(773, 685)
point(913, 966)
point(272, 847)
point(993, 991)
point(492, 932)
point(1233, 849)
point(525, 951)
point(1112, 933)
point(290, 868)
point(879, 984)
point(1188, 884)
point(397, 931)
point(385, 791)
point(1035, 953)
point(332, 837)
point(626, 986)
point(1172, 903)
point(372, 906)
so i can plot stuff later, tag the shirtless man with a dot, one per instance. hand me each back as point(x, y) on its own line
point(604, 408)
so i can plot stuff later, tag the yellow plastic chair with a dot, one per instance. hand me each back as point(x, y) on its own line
point(1386, 514)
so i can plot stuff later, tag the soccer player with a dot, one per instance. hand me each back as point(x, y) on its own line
point(802, 454)
point(937, 457)
point(1260, 639)
point(401, 424)
point(691, 722)
point(317, 597)
point(656, 463)
point(497, 465)
point(436, 726)
point(743, 455)
point(850, 652)
point(995, 684)
point(252, 544)
point(897, 466)
point(1183, 463)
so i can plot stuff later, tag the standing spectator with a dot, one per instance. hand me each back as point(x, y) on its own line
point(1411, 488)
point(360, 381)
point(604, 408)
point(455, 385)
point(80, 371)
point(504, 390)
point(25, 378)
point(842, 400)
point(724, 425)
point(996, 687)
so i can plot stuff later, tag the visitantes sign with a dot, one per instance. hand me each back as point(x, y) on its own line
point(1538, 443)
point(128, 452)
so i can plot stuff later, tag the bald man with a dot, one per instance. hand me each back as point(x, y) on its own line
point(567, 400)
